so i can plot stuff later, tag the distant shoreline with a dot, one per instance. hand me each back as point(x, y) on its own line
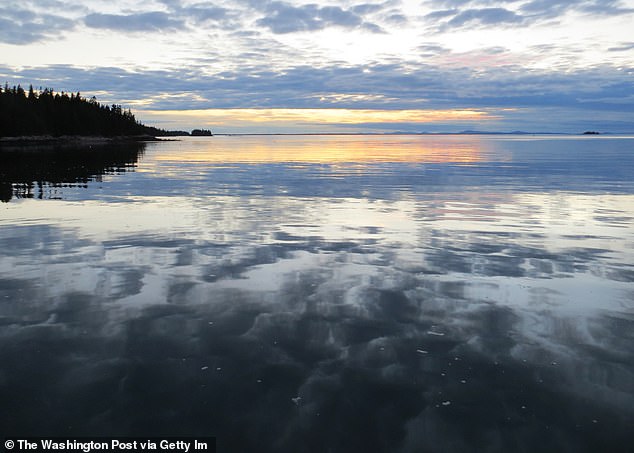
point(388, 134)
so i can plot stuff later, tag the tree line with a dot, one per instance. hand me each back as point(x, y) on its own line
point(45, 112)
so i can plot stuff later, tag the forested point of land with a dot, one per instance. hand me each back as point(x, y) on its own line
point(47, 113)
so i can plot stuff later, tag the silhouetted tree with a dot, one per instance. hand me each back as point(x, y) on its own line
point(49, 113)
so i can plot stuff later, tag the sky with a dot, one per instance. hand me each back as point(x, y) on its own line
point(262, 66)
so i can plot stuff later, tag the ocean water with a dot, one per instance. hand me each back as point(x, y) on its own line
point(322, 293)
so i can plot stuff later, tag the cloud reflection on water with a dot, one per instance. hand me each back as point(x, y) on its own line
point(432, 320)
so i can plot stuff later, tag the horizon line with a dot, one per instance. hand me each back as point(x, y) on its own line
point(420, 133)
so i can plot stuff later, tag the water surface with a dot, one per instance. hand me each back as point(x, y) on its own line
point(323, 293)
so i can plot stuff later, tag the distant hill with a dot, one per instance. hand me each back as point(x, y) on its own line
point(56, 114)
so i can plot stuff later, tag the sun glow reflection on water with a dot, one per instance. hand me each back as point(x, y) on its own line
point(323, 149)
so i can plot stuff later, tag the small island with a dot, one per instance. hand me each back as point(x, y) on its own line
point(46, 115)
point(201, 133)
point(591, 133)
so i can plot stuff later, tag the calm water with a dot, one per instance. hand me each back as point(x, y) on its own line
point(323, 293)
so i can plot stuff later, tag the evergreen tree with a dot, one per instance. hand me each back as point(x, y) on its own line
point(49, 113)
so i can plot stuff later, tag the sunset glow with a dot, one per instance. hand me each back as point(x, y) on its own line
point(229, 119)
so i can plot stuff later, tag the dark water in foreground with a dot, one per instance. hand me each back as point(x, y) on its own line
point(326, 294)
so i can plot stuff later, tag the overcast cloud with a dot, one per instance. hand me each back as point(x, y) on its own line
point(22, 26)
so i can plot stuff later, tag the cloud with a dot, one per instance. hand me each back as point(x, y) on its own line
point(474, 18)
point(485, 16)
point(203, 13)
point(397, 19)
point(337, 16)
point(150, 21)
point(372, 28)
point(282, 17)
point(448, 3)
point(21, 26)
point(441, 14)
point(455, 4)
point(378, 86)
point(484, 13)
point(600, 7)
point(367, 8)
point(428, 50)
point(610, 7)
point(549, 8)
point(175, 17)
point(553, 8)
point(540, 7)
